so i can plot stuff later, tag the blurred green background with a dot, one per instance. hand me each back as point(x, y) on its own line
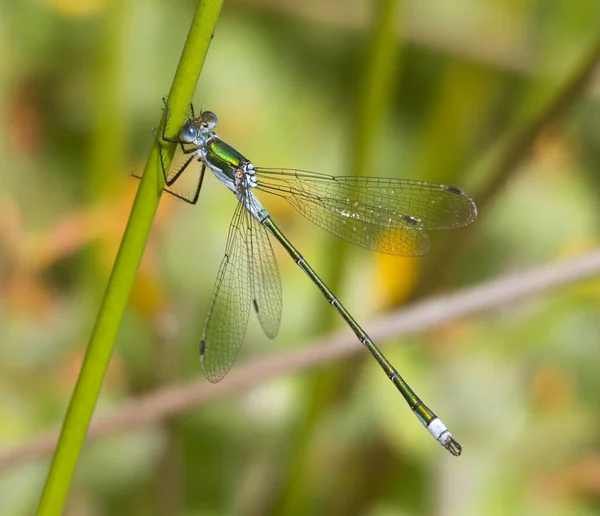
point(302, 84)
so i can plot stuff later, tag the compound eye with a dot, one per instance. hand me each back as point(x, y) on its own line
point(209, 119)
point(189, 133)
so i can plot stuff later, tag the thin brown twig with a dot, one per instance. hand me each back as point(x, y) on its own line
point(416, 318)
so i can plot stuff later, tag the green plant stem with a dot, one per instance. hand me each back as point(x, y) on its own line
point(97, 357)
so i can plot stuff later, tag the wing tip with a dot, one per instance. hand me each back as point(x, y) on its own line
point(213, 376)
point(473, 207)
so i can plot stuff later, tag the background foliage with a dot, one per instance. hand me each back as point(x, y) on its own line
point(517, 386)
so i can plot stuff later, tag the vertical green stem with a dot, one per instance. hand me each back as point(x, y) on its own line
point(97, 357)
point(109, 131)
point(381, 67)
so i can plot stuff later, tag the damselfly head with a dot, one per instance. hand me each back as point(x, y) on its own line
point(199, 126)
point(208, 120)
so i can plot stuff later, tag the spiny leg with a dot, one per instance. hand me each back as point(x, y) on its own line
point(194, 200)
point(170, 182)
point(177, 175)
point(198, 188)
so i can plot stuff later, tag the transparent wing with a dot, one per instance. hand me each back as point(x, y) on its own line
point(383, 214)
point(227, 317)
point(266, 281)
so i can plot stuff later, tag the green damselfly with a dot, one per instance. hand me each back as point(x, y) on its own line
point(387, 215)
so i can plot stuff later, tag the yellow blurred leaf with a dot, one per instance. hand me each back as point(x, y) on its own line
point(553, 389)
point(78, 9)
point(396, 279)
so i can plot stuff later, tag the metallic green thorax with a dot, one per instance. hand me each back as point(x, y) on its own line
point(224, 156)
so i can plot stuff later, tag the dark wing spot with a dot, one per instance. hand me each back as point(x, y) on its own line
point(411, 220)
point(255, 305)
point(202, 347)
point(455, 190)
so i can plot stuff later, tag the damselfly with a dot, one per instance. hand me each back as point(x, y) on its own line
point(387, 215)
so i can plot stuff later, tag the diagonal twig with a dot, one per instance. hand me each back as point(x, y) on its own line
point(416, 318)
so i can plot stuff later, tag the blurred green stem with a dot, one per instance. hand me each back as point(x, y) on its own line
point(381, 61)
point(130, 253)
point(110, 129)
